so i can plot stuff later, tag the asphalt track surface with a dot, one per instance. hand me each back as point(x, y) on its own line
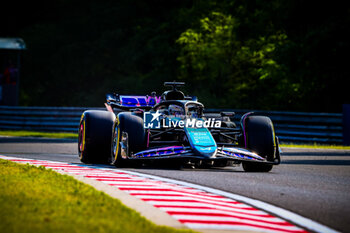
point(313, 183)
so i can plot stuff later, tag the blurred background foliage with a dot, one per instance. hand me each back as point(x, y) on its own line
point(252, 54)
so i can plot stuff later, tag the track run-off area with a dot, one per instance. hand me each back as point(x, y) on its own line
point(309, 191)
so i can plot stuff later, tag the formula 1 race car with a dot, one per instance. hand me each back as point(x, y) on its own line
point(173, 128)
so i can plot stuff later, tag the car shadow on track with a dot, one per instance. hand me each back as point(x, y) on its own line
point(142, 167)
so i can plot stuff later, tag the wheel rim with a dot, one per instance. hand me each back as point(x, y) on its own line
point(81, 138)
point(115, 144)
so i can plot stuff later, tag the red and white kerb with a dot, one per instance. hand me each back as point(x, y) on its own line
point(195, 208)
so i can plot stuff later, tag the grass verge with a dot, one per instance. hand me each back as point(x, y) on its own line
point(315, 146)
point(24, 133)
point(35, 199)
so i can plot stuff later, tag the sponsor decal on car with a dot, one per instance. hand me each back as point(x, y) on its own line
point(157, 120)
point(138, 101)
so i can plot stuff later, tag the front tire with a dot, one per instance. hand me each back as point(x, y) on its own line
point(128, 137)
point(260, 138)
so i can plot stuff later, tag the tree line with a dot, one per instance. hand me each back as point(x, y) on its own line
point(255, 54)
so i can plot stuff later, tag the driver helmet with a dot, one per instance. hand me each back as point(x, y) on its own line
point(194, 111)
point(176, 110)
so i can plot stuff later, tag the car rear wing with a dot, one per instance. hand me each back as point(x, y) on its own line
point(128, 102)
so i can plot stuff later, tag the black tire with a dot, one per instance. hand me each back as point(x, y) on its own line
point(95, 133)
point(260, 138)
point(132, 125)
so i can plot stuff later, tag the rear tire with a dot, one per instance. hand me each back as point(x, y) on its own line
point(260, 138)
point(95, 133)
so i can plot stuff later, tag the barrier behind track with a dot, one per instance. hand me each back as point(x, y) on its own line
point(290, 126)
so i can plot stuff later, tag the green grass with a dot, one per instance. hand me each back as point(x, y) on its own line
point(24, 133)
point(316, 146)
point(34, 199)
